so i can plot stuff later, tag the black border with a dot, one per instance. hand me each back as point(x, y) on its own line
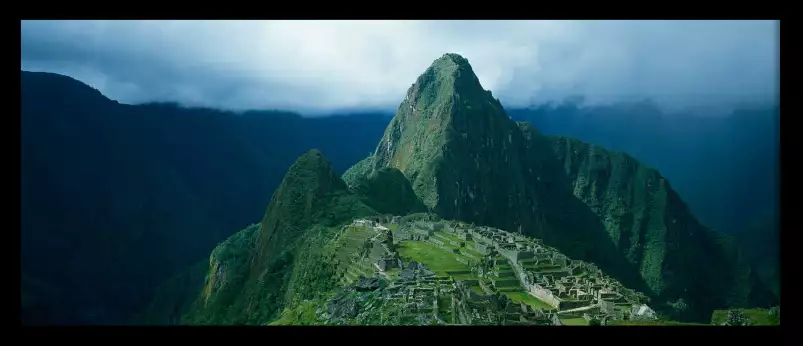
point(474, 334)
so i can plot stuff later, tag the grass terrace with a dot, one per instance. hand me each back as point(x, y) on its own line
point(449, 236)
point(521, 296)
point(477, 289)
point(469, 250)
point(438, 260)
point(574, 321)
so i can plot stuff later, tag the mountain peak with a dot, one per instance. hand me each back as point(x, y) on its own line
point(449, 75)
point(451, 62)
point(314, 173)
point(298, 201)
point(63, 90)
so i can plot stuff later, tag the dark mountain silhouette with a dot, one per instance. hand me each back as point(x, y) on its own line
point(116, 198)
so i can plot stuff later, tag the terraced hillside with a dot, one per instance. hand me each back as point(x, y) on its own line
point(421, 270)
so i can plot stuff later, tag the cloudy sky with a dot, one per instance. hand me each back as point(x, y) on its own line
point(314, 66)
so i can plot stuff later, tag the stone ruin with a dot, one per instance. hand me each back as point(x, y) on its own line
point(573, 288)
point(643, 313)
point(737, 318)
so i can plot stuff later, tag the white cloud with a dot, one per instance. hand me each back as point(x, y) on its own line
point(324, 65)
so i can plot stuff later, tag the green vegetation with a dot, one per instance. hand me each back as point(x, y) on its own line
point(574, 321)
point(445, 307)
point(438, 260)
point(304, 314)
point(254, 275)
point(445, 150)
point(357, 173)
point(654, 323)
point(476, 289)
point(758, 317)
point(653, 229)
point(522, 296)
point(387, 191)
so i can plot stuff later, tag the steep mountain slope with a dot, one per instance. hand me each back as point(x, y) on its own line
point(284, 259)
point(468, 160)
point(651, 225)
point(386, 190)
point(116, 198)
point(713, 160)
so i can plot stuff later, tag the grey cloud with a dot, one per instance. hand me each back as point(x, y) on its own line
point(323, 65)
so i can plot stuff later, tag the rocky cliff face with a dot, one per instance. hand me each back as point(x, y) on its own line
point(652, 226)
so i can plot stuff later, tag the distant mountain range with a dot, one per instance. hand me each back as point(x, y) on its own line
point(117, 198)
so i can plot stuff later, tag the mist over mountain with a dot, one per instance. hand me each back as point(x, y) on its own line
point(319, 66)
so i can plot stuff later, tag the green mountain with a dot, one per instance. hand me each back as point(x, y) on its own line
point(676, 255)
point(386, 190)
point(469, 161)
point(262, 268)
point(321, 256)
point(572, 226)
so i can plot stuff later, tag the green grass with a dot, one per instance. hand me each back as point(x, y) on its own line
point(472, 251)
point(436, 259)
point(477, 289)
point(393, 273)
point(522, 296)
point(290, 317)
point(445, 306)
point(464, 277)
point(547, 267)
point(449, 236)
point(758, 317)
point(551, 271)
point(654, 323)
point(577, 321)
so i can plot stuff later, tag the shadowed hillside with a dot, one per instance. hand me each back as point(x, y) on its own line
point(116, 198)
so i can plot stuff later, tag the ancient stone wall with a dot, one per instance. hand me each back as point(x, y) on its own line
point(544, 295)
point(481, 248)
